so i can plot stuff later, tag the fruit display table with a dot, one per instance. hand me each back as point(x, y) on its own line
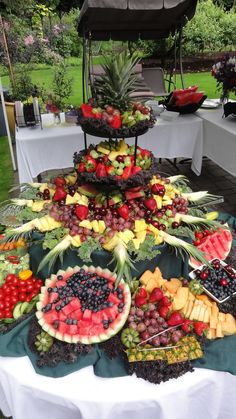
point(26, 395)
point(219, 138)
point(53, 147)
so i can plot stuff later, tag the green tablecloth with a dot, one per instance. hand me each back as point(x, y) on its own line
point(220, 354)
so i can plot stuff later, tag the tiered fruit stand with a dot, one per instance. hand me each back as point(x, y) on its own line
point(116, 210)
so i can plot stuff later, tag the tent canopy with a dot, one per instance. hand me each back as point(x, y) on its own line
point(133, 19)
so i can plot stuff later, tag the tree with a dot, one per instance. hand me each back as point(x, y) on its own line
point(226, 4)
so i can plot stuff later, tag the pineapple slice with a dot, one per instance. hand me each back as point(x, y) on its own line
point(95, 226)
point(141, 236)
point(101, 226)
point(86, 224)
point(46, 223)
point(37, 206)
point(158, 200)
point(75, 241)
point(136, 243)
point(140, 225)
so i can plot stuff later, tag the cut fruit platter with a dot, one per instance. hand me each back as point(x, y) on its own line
point(116, 204)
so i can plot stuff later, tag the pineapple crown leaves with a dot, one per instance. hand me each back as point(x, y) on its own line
point(57, 251)
point(183, 248)
point(22, 231)
point(118, 80)
point(197, 222)
point(123, 263)
point(201, 197)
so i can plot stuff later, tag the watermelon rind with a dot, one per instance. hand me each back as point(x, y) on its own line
point(106, 334)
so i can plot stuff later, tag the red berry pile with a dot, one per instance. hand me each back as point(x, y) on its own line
point(14, 290)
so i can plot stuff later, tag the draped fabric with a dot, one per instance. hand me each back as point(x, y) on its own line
point(133, 19)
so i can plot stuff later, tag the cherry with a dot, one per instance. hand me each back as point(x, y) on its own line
point(175, 224)
point(223, 282)
point(91, 205)
point(149, 220)
point(199, 235)
point(204, 275)
point(100, 159)
point(102, 211)
point(155, 223)
point(197, 272)
point(196, 242)
point(162, 227)
point(120, 159)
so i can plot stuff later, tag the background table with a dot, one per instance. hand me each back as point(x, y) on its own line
point(53, 147)
point(219, 138)
point(203, 394)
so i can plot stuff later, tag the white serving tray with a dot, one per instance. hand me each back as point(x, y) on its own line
point(193, 276)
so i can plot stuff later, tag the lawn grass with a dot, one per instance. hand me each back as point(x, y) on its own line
point(6, 171)
point(43, 75)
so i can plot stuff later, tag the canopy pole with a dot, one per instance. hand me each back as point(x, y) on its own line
point(7, 126)
point(180, 56)
point(83, 66)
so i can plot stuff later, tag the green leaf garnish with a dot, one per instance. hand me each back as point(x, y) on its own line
point(87, 248)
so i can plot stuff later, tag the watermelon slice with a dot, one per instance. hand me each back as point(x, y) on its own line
point(82, 305)
point(216, 245)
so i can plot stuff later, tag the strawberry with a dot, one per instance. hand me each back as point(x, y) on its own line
point(101, 170)
point(59, 181)
point(144, 152)
point(187, 325)
point(126, 172)
point(60, 194)
point(116, 122)
point(142, 293)
point(135, 170)
point(158, 189)
point(90, 164)
point(175, 319)
point(150, 204)
point(81, 212)
point(140, 301)
point(123, 211)
point(86, 110)
point(165, 301)
point(200, 328)
point(163, 311)
point(156, 295)
point(80, 168)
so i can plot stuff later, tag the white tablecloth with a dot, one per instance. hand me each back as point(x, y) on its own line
point(204, 394)
point(53, 147)
point(219, 138)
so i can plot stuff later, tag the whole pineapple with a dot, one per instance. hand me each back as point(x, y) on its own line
point(114, 86)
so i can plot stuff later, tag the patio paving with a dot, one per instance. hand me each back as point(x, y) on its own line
point(213, 178)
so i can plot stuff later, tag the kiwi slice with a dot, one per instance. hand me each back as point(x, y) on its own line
point(43, 342)
point(130, 337)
